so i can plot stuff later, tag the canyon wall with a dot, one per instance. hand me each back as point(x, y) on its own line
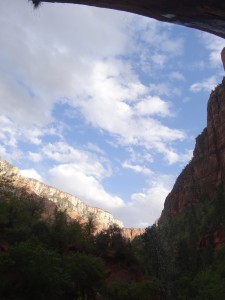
point(206, 171)
point(76, 209)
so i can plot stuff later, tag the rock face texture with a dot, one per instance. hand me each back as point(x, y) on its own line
point(52, 197)
point(217, 239)
point(206, 170)
point(206, 15)
point(223, 57)
point(131, 233)
point(76, 209)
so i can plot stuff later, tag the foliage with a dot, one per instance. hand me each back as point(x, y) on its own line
point(111, 244)
point(45, 259)
point(84, 274)
point(174, 252)
point(30, 272)
point(55, 258)
point(145, 290)
point(62, 259)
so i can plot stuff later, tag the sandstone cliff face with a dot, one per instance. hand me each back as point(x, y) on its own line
point(131, 233)
point(76, 209)
point(206, 170)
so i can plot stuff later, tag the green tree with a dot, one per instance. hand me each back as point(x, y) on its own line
point(84, 276)
point(110, 243)
point(30, 271)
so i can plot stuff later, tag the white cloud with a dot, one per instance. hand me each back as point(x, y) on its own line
point(107, 108)
point(164, 89)
point(12, 133)
point(31, 173)
point(136, 168)
point(159, 59)
point(156, 47)
point(173, 157)
point(175, 75)
point(86, 187)
point(142, 210)
point(207, 85)
point(91, 74)
point(34, 136)
point(153, 106)
point(215, 45)
point(4, 154)
point(161, 39)
point(82, 63)
point(9, 133)
point(94, 148)
point(36, 58)
point(82, 161)
point(34, 156)
point(139, 156)
point(145, 207)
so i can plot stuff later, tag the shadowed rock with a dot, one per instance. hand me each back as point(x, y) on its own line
point(206, 171)
point(223, 57)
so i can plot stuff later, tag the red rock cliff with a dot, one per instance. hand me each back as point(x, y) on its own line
point(206, 170)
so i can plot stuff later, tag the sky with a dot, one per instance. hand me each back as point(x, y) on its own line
point(102, 104)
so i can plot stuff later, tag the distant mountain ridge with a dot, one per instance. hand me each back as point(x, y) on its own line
point(76, 209)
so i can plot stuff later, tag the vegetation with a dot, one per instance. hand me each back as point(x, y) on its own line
point(45, 259)
point(181, 251)
point(57, 258)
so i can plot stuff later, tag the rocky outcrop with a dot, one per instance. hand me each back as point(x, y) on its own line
point(75, 208)
point(216, 239)
point(223, 57)
point(206, 171)
point(205, 15)
point(131, 233)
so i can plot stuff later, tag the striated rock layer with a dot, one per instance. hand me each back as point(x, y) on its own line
point(76, 209)
point(206, 170)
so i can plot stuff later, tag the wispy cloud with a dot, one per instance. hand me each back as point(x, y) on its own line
point(175, 75)
point(35, 156)
point(97, 70)
point(145, 207)
point(86, 187)
point(214, 45)
point(207, 85)
point(31, 173)
point(136, 168)
point(81, 160)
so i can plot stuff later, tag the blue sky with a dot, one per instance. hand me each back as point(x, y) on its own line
point(102, 104)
